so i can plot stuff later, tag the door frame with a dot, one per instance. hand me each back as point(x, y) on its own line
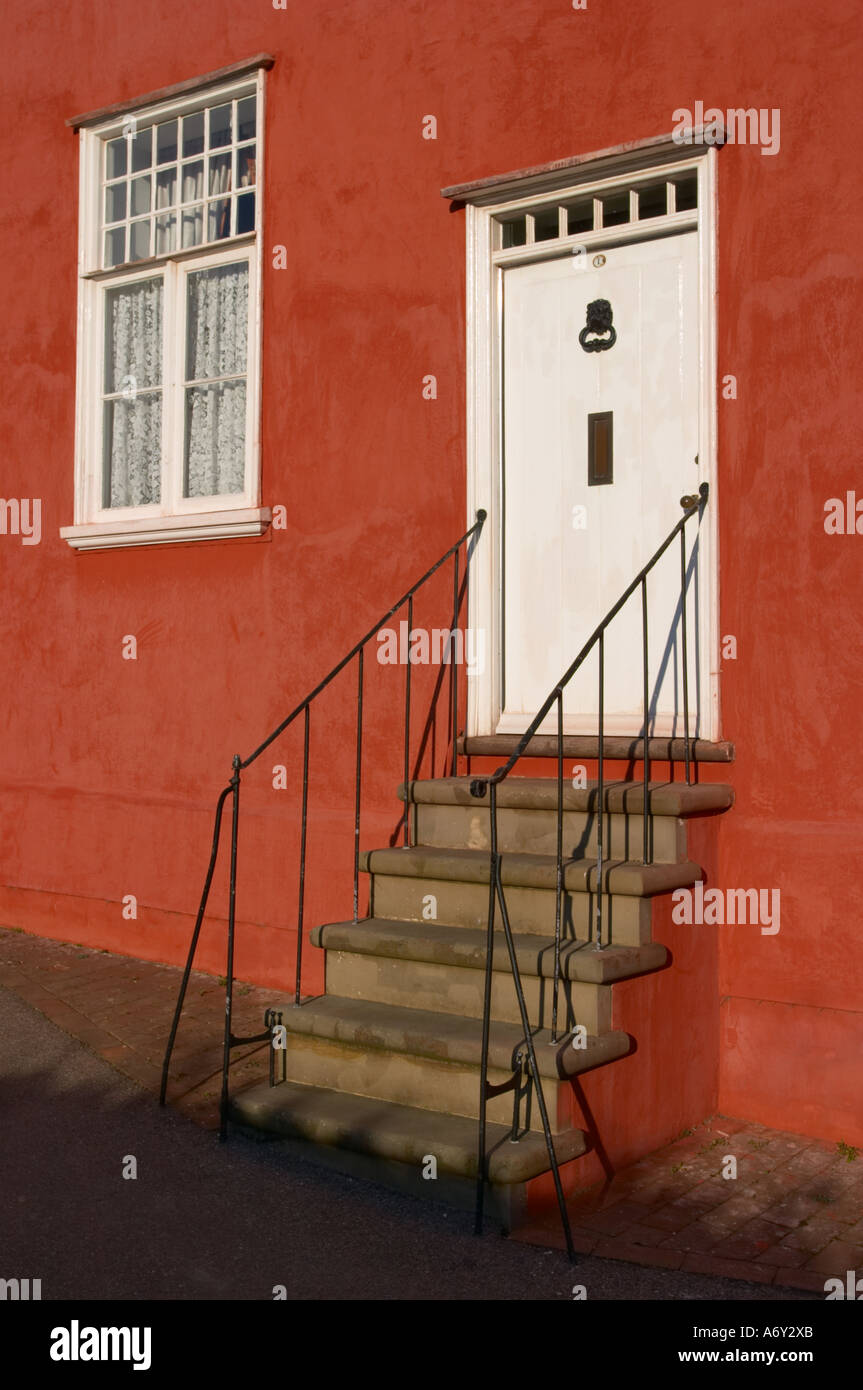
point(484, 315)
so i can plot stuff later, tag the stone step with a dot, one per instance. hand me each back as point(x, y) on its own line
point(534, 831)
point(426, 1059)
point(397, 1133)
point(442, 1037)
point(450, 989)
point(625, 877)
point(587, 746)
point(626, 920)
point(540, 793)
point(441, 968)
point(464, 946)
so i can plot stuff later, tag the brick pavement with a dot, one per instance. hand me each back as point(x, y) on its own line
point(121, 1009)
point(792, 1217)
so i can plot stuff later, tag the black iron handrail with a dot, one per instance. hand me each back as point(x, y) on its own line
point(524, 1059)
point(239, 765)
point(692, 505)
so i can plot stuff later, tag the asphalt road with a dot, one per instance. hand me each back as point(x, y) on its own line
point(208, 1221)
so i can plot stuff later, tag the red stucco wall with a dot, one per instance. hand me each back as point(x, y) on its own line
point(110, 768)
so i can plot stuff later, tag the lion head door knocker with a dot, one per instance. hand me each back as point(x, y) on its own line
point(599, 320)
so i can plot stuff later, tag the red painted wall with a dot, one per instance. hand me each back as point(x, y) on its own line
point(110, 768)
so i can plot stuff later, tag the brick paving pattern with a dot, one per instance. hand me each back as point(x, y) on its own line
point(121, 1009)
point(792, 1217)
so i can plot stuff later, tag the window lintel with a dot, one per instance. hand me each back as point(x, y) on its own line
point(178, 90)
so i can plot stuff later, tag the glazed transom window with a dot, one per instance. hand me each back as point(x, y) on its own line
point(179, 183)
point(575, 216)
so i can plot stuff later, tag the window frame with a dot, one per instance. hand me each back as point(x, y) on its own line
point(174, 517)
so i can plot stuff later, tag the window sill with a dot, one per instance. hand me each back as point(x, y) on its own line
point(186, 253)
point(164, 530)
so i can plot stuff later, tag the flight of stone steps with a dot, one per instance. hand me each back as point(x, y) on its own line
point(382, 1071)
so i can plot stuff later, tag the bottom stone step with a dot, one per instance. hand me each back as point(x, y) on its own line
point(400, 1133)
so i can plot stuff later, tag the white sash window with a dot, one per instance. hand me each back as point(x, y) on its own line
point(169, 320)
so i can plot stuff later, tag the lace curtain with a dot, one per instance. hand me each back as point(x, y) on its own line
point(218, 317)
point(133, 419)
point(215, 408)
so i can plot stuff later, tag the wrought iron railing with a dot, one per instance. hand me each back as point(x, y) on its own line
point(526, 1056)
point(465, 543)
point(526, 1071)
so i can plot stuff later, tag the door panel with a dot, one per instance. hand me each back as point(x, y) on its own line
point(570, 547)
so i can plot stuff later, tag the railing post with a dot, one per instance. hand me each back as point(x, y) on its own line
point(193, 944)
point(645, 746)
point(304, 819)
point(534, 1069)
point(518, 1090)
point(684, 655)
point(407, 833)
point(600, 789)
point(559, 896)
point(358, 784)
point(486, 1009)
point(229, 976)
point(453, 652)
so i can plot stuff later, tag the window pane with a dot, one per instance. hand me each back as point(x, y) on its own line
point(217, 328)
point(115, 202)
point(193, 134)
point(193, 181)
point(246, 119)
point(139, 240)
point(514, 231)
point(193, 226)
point(132, 450)
point(246, 167)
point(220, 174)
point(140, 196)
point(217, 303)
point(166, 234)
point(686, 192)
point(115, 165)
point(133, 336)
point(166, 143)
point(245, 213)
point(652, 201)
point(579, 217)
point(142, 150)
point(115, 247)
point(545, 226)
point(220, 126)
point(219, 219)
point(215, 439)
point(166, 188)
point(615, 209)
point(132, 420)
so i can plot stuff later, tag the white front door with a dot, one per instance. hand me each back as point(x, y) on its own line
point(597, 447)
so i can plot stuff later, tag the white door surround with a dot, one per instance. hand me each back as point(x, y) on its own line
point(566, 211)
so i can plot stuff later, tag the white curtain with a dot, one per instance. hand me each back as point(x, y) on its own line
point(133, 420)
point(217, 334)
point(193, 218)
point(193, 181)
point(220, 174)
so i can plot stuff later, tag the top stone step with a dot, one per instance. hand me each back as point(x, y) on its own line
point(701, 750)
point(540, 794)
